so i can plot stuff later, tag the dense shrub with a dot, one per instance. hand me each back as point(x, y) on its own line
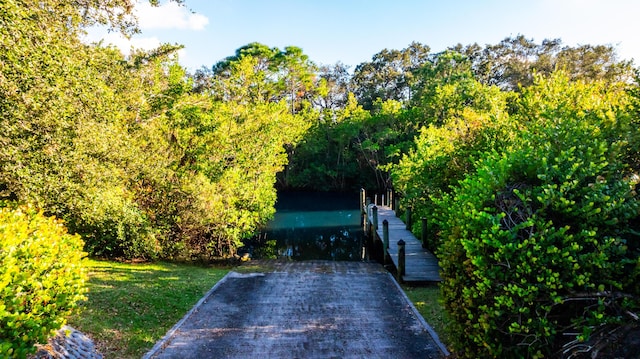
point(41, 278)
point(524, 236)
point(118, 147)
point(540, 243)
point(116, 228)
point(445, 153)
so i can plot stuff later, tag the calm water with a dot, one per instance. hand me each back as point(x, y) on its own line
point(317, 226)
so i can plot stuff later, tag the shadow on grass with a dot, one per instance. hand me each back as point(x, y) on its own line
point(131, 306)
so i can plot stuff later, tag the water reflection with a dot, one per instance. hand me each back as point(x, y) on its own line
point(315, 231)
point(314, 219)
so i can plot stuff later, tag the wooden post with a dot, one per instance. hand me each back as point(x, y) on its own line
point(371, 230)
point(396, 205)
point(408, 218)
point(385, 240)
point(375, 199)
point(384, 198)
point(361, 246)
point(365, 223)
point(363, 196)
point(375, 218)
point(401, 260)
point(390, 198)
point(367, 217)
point(424, 232)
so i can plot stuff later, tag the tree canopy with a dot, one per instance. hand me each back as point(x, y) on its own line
point(522, 156)
point(126, 150)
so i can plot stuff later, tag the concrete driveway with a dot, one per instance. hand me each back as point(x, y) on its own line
point(314, 309)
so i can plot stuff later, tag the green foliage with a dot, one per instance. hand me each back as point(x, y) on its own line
point(530, 198)
point(431, 89)
point(533, 237)
point(445, 86)
point(633, 149)
point(389, 75)
point(268, 250)
point(354, 148)
point(41, 278)
point(66, 142)
point(446, 150)
point(130, 306)
point(125, 152)
point(327, 157)
point(257, 73)
point(332, 89)
point(513, 63)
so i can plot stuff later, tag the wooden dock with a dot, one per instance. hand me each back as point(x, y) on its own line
point(420, 264)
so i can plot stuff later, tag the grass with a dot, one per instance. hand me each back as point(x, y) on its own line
point(131, 306)
point(427, 300)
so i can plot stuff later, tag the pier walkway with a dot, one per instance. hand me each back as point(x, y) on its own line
point(420, 264)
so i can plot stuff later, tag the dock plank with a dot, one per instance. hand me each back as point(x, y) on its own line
point(420, 264)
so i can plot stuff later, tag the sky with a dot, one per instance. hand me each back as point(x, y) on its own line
point(352, 31)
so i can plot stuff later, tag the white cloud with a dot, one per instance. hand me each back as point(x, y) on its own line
point(168, 16)
point(125, 45)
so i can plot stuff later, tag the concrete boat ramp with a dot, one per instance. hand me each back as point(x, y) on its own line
point(312, 309)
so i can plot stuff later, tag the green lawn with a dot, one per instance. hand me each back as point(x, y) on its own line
point(131, 306)
point(427, 300)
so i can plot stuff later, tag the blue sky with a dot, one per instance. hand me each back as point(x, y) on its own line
point(352, 31)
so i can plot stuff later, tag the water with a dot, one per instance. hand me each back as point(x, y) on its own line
point(310, 226)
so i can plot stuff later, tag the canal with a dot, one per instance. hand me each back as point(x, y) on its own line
point(315, 225)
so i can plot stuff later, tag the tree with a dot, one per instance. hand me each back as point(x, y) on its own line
point(511, 64)
point(462, 119)
point(589, 62)
point(388, 76)
point(122, 148)
point(297, 76)
point(443, 87)
point(64, 126)
point(332, 88)
point(327, 157)
point(259, 73)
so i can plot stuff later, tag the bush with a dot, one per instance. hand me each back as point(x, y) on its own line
point(443, 156)
point(126, 235)
point(527, 240)
point(540, 244)
point(41, 278)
